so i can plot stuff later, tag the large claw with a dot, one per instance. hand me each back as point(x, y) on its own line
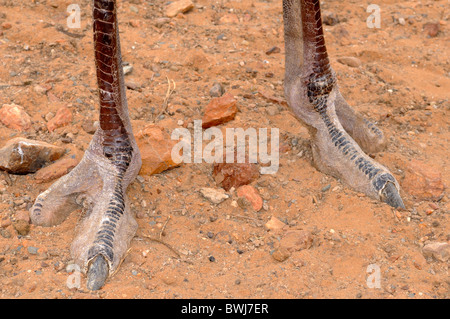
point(391, 196)
point(98, 272)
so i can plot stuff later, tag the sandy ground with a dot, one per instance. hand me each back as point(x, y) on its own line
point(225, 251)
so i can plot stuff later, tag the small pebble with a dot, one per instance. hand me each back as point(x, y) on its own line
point(32, 250)
point(216, 90)
point(273, 50)
point(5, 233)
point(212, 259)
point(6, 25)
point(281, 254)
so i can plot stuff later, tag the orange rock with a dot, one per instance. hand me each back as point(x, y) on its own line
point(22, 156)
point(423, 181)
point(5, 223)
point(15, 117)
point(56, 170)
point(62, 118)
point(155, 146)
point(219, 110)
point(181, 6)
point(350, 61)
point(438, 250)
point(274, 224)
point(6, 25)
point(229, 18)
point(252, 195)
point(295, 240)
point(234, 174)
point(431, 28)
point(281, 254)
point(197, 59)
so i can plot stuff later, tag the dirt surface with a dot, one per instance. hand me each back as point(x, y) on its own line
point(224, 250)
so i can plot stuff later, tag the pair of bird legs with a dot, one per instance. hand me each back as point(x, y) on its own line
point(339, 139)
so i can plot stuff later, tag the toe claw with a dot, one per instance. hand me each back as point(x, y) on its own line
point(97, 273)
point(391, 196)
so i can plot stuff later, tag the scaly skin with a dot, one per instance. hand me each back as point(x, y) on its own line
point(112, 160)
point(110, 164)
point(312, 93)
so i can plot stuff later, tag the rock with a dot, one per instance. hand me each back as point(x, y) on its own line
point(272, 110)
point(62, 118)
point(220, 110)
point(5, 233)
point(23, 215)
point(281, 254)
point(132, 85)
point(431, 29)
point(22, 227)
point(350, 61)
point(56, 170)
point(159, 22)
point(437, 250)
point(274, 224)
point(6, 25)
point(21, 155)
point(295, 240)
point(5, 223)
point(252, 195)
point(434, 206)
point(423, 181)
point(418, 260)
point(273, 50)
point(411, 19)
point(89, 126)
point(135, 23)
point(229, 18)
point(41, 89)
point(180, 6)
point(32, 250)
point(15, 117)
point(155, 146)
point(329, 18)
point(49, 116)
point(215, 196)
point(216, 90)
point(235, 174)
point(196, 59)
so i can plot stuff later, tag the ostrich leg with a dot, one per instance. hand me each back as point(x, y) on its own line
point(110, 163)
point(313, 95)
